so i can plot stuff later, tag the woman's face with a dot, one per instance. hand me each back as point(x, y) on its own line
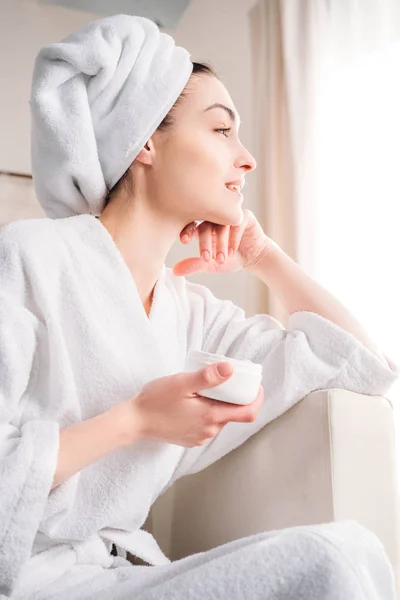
point(195, 159)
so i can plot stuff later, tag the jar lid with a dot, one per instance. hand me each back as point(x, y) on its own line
point(237, 364)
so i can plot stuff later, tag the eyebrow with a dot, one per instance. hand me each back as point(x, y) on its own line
point(226, 108)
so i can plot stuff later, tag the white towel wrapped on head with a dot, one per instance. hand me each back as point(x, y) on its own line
point(97, 97)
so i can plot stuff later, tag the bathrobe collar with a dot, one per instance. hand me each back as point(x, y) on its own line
point(125, 272)
point(152, 329)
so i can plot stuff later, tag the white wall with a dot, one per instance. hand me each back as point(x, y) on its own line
point(212, 31)
point(25, 26)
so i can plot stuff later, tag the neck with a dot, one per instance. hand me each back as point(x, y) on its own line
point(144, 239)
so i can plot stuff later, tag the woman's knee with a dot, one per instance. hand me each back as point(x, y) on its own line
point(301, 564)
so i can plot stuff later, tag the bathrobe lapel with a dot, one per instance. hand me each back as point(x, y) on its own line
point(161, 333)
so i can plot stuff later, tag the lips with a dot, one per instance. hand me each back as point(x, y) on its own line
point(233, 187)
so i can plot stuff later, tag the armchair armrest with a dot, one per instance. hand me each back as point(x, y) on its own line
point(330, 457)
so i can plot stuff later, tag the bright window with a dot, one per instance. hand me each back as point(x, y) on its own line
point(358, 192)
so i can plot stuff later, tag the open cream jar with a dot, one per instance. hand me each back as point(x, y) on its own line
point(241, 387)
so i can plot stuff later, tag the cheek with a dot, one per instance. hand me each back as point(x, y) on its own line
point(196, 170)
point(201, 162)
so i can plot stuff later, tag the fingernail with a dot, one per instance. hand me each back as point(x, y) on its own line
point(220, 257)
point(205, 254)
point(185, 238)
point(230, 253)
point(224, 369)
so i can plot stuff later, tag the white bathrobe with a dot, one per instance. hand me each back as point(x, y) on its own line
point(74, 341)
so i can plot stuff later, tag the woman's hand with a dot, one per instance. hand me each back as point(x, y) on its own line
point(225, 248)
point(169, 409)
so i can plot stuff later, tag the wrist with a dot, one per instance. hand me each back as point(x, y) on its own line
point(125, 423)
point(265, 260)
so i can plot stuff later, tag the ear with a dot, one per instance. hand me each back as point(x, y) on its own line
point(146, 154)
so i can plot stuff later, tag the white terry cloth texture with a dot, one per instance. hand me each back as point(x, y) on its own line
point(75, 340)
point(96, 98)
point(334, 561)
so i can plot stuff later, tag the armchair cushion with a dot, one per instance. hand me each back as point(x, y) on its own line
point(330, 457)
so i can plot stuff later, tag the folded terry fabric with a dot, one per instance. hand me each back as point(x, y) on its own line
point(97, 97)
point(330, 561)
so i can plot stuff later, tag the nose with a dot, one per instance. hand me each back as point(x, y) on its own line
point(245, 161)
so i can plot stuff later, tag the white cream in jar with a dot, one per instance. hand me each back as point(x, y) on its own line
point(240, 388)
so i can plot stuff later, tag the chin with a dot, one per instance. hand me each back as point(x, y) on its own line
point(239, 219)
point(234, 217)
point(231, 216)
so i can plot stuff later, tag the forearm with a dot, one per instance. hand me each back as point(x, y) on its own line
point(299, 292)
point(87, 441)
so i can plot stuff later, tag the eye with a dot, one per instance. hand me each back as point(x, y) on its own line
point(223, 130)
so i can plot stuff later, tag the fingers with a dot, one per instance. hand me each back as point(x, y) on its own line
point(236, 234)
point(206, 233)
point(189, 231)
point(222, 241)
point(216, 242)
point(208, 376)
point(213, 241)
point(235, 238)
point(223, 412)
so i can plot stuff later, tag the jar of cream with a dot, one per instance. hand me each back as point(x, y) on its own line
point(240, 388)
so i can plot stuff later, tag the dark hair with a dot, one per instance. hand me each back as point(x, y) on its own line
point(125, 181)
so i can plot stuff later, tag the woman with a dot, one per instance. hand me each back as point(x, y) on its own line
point(98, 417)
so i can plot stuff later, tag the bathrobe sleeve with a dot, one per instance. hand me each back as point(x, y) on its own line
point(28, 446)
point(312, 353)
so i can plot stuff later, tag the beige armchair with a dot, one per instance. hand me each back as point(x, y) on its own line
point(330, 457)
